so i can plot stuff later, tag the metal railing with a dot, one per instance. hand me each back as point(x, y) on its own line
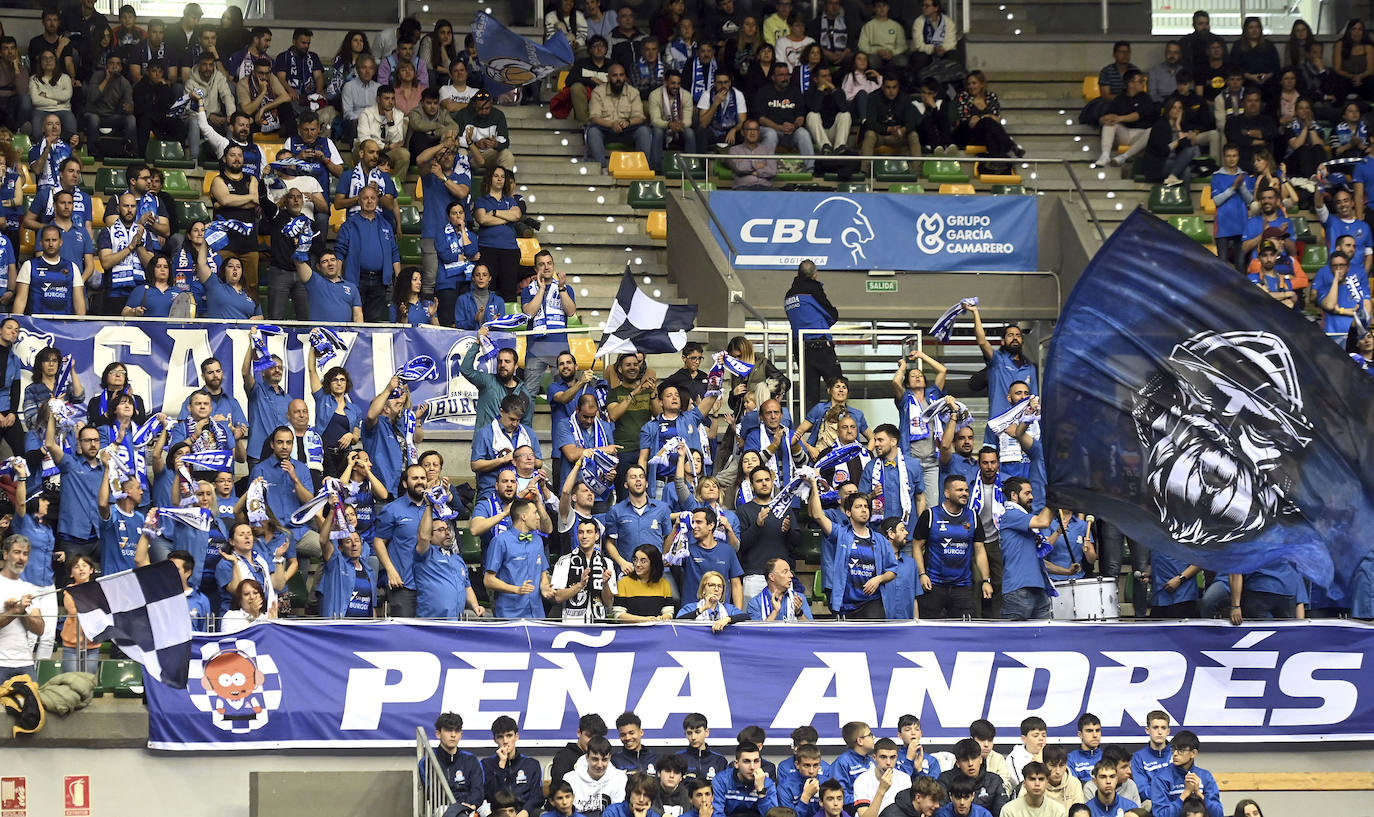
point(873, 334)
point(432, 794)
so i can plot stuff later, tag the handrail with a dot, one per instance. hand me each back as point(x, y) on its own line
point(686, 180)
point(432, 795)
point(1092, 214)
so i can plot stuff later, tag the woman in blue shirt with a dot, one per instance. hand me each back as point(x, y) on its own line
point(37, 393)
point(153, 299)
point(348, 587)
point(456, 249)
point(710, 605)
point(913, 395)
point(225, 297)
point(407, 307)
point(498, 211)
point(479, 304)
point(184, 265)
point(338, 420)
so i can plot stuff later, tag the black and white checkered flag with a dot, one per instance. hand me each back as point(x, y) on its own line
point(638, 323)
point(144, 612)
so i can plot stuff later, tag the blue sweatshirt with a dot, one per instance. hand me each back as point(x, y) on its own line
point(1081, 763)
point(1167, 785)
point(463, 773)
point(848, 766)
point(1147, 762)
point(523, 778)
point(731, 796)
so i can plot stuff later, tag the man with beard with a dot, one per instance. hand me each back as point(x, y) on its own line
point(235, 194)
point(582, 432)
point(286, 488)
point(1025, 584)
point(1006, 364)
point(121, 251)
point(584, 580)
point(491, 513)
point(629, 406)
point(494, 388)
point(764, 537)
point(403, 523)
point(616, 113)
point(241, 134)
point(636, 520)
point(494, 445)
point(332, 300)
point(516, 563)
point(948, 542)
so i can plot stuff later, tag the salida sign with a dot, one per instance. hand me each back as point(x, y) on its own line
point(879, 231)
point(372, 684)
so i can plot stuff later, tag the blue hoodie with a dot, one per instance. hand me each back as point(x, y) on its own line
point(731, 796)
point(1167, 785)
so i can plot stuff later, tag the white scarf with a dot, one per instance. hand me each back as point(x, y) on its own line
point(501, 441)
point(717, 613)
point(903, 483)
point(916, 424)
point(128, 272)
point(788, 611)
point(784, 450)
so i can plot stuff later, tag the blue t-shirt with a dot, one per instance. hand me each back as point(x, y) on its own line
point(1339, 325)
point(42, 542)
point(1255, 226)
point(1068, 547)
point(515, 559)
point(1021, 567)
point(119, 540)
point(500, 237)
point(157, 303)
point(442, 579)
point(1232, 204)
point(862, 566)
point(630, 527)
point(438, 198)
point(701, 561)
point(417, 315)
point(818, 411)
point(224, 302)
point(332, 302)
point(398, 526)
point(1337, 227)
point(1163, 568)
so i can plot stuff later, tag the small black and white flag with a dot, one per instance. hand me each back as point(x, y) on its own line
point(145, 613)
point(638, 323)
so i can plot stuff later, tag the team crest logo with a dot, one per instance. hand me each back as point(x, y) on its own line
point(1223, 430)
point(515, 71)
point(233, 683)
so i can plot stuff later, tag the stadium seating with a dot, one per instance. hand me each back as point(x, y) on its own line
point(894, 170)
point(942, 171)
point(626, 165)
point(410, 219)
point(1192, 226)
point(121, 678)
point(657, 225)
point(167, 154)
point(1170, 200)
point(176, 185)
point(646, 195)
point(110, 180)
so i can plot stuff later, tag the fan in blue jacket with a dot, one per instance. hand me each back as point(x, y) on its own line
point(746, 789)
point(1173, 784)
point(462, 770)
point(512, 772)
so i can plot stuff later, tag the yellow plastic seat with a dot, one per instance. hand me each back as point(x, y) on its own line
point(630, 165)
point(950, 189)
point(27, 239)
point(657, 225)
point(975, 150)
point(583, 347)
point(1208, 206)
point(529, 248)
point(1091, 90)
point(210, 176)
point(98, 212)
point(563, 79)
point(337, 216)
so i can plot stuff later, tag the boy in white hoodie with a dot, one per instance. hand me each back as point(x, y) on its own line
point(1033, 736)
point(596, 783)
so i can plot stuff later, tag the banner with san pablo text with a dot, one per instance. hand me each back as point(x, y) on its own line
point(300, 684)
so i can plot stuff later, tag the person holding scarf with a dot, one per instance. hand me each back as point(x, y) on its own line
point(201, 431)
point(184, 276)
point(913, 395)
point(581, 433)
point(673, 422)
point(779, 599)
point(494, 445)
point(861, 562)
point(704, 494)
point(763, 535)
point(479, 303)
point(48, 382)
point(721, 110)
point(838, 389)
point(777, 443)
point(649, 70)
point(583, 580)
point(384, 434)
point(549, 302)
point(710, 606)
point(242, 560)
point(123, 432)
point(456, 250)
point(338, 420)
point(285, 486)
point(226, 296)
point(348, 585)
point(491, 513)
point(670, 109)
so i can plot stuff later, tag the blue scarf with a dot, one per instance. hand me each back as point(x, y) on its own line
point(943, 327)
point(702, 79)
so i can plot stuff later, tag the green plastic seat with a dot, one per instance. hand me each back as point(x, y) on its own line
point(176, 185)
point(1195, 227)
point(818, 588)
point(22, 143)
point(906, 187)
point(854, 187)
point(944, 171)
point(470, 546)
point(166, 153)
point(724, 172)
point(852, 177)
point(1170, 200)
point(1302, 230)
point(110, 180)
point(300, 593)
point(794, 177)
point(87, 160)
point(647, 195)
point(810, 550)
point(894, 170)
point(48, 669)
point(673, 165)
point(192, 211)
point(1008, 190)
point(512, 307)
point(1314, 257)
point(122, 678)
point(410, 249)
point(410, 219)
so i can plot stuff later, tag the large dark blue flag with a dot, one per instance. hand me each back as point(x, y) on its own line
point(1204, 418)
point(510, 61)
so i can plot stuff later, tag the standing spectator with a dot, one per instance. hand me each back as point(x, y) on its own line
point(11, 202)
point(1025, 584)
point(235, 196)
point(881, 38)
point(153, 97)
point(50, 92)
point(121, 251)
point(516, 568)
point(549, 302)
point(258, 47)
point(1128, 121)
point(497, 211)
point(402, 524)
point(214, 108)
point(300, 71)
point(366, 172)
point(358, 95)
point(287, 228)
point(52, 39)
point(10, 426)
point(763, 537)
point(15, 106)
point(1163, 77)
point(775, 25)
point(1352, 64)
point(616, 112)
point(493, 388)
point(154, 47)
point(57, 281)
point(367, 243)
point(625, 38)
point(721, 113)
point(791, 48)
point(1257, 57)
point(384, 124)
point(263, 97)
point(670, 116)
point(482, 129)
point(446, 180)
point(586, 75)
point(226, 296)
point(979, 120)
point(1197, 43)
point(331, 299)
point(311, 145)
point(495, 445)
point(781, 112)
point(405, 53)
point(183, 33)
point(808, 307)
point(891, 120)
point(1254, 130)
point(408, 307)
point(598, 22)
point(755, 168)
point(21, 618)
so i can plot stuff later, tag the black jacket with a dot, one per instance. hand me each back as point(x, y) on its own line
point(988, 790)
point(563, 761)
point(883, 113)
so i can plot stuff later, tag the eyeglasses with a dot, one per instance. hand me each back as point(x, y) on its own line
point(694, 357)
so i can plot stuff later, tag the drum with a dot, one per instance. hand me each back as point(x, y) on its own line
point(1086, 600)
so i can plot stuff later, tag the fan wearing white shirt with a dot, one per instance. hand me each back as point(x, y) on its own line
point(877, 788)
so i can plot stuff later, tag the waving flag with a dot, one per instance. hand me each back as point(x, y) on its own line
point(144, 612)
point(1233, 432)
point(510, 61)
point(638, 323)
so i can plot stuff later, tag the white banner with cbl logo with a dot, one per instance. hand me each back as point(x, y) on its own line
point(862, 231)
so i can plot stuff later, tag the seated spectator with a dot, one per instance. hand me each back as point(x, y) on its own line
point(1127, 121)
point(405, 53)
point(479, 304)
point(663, 23)
point(1271, 280)
point(351, 51)
point(429, 125)
point(670, 118)
point(1198, 115)
point(781, 114)
point(935, 125)
point(882, 38)
point(241, 62)
point(625, 38)
point(1307, 147)
point(1317, 82)
point(1287, 100)
point(263, 97)
point(933, 37)
point(980, 119)
point(216, 100)
point(359, 94)
point(456, 94)
point(827, 113)
point(756, 167)
point(710, 605)
point(153, 299)
point(1215, 72)
point(1111, 83)
point(1350, 136)
point(587, 73)
point(891, 120)
point(1270, 219)
point(598, 22)
point(616, 113)
point(681, 49)
point(408, 90)
point(384, 124)
point(643, 594)
point(440, 49)
point(649, 69)
point(760, 72)
point(482, 130)
point(1162, 81)
point(740, 51)
point(1170, 149)
point(1269, 173)
point(50, 92)
point(859, 82)
point(1257, 58)
point(1229, 102)
point(15, 107)
point(204, 41)
point(138, 53)
point(1253, 130)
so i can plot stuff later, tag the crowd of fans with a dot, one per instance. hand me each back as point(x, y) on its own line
point(874, 777)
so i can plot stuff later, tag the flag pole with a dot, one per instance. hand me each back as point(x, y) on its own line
point(55, 590)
